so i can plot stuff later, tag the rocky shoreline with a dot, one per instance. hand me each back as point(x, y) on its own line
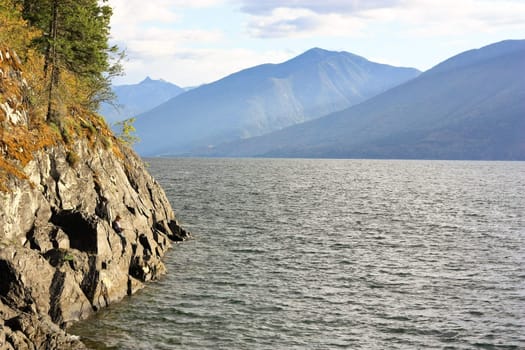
point(60, 257)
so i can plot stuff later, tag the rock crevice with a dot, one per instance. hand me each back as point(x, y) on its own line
point(60, 258)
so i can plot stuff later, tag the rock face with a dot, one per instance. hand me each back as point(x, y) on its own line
point(60, 258)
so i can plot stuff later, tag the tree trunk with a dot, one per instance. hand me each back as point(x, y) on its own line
point(51, 63)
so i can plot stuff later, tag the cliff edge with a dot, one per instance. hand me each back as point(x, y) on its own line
point(61, 188)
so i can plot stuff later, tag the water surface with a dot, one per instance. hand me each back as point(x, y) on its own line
point(328, 254)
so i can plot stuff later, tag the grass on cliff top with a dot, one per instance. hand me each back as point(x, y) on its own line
point(22, 89)
point(19, 143)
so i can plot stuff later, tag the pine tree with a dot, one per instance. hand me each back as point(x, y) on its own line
point(74, 42)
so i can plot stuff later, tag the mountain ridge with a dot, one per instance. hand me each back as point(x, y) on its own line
point(264, 98)
point(447, 112)
point(484, 53)
point(133, 99)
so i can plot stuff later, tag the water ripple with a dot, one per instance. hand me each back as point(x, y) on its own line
point(328, 254)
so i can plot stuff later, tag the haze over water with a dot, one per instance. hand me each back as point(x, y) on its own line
point(327, 254)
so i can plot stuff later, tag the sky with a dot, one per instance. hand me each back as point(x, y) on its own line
point(194, 42)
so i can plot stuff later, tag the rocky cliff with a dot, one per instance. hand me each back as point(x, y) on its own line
point(61, 188)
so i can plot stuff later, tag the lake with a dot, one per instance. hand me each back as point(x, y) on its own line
point(333, 254)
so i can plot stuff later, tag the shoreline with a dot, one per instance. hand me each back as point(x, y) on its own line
point(61, 258)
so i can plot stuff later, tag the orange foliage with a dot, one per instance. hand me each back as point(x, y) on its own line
point(20, 141)
point(23, 88)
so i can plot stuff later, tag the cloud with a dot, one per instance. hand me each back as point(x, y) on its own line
point(453, 18)
point(129, 13)
point(258, 7)
point(282, 23)
point(294, 18)
point(132, 16)
point(155, 42)
point(290, 23)
point(146, 30)
point(166, 38)
point(188, 66)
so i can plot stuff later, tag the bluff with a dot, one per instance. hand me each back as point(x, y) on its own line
point(60, 190)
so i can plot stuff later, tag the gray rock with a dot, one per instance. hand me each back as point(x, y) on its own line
point(60, 258)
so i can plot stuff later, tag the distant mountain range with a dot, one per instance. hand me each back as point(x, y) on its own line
point(471, 106)
point(134, 99)
point(262, 99)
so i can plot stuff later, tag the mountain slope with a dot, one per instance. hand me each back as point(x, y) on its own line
point(471, 106)
point(263, 99)
point(138, 98)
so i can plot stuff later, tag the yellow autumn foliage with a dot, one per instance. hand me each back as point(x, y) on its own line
point(24, 86)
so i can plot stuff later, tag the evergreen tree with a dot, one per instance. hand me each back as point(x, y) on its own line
point(74, 42)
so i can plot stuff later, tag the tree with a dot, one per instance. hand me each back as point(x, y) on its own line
point(126, 131)
point(74, 42)
point(14, 30)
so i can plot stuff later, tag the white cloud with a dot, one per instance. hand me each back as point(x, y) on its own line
point(452, 17)
point(272, 19)
point(189, 66)
point(283, 22)
point(204, 62)
point(165, 38)
point(290, 23)
point(161, 42)
point(129, 13)
point(258, 7)
point(147, 32)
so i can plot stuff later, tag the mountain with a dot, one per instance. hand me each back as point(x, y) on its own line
point(138, 98)
point(471, 106)
point(262, 99)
